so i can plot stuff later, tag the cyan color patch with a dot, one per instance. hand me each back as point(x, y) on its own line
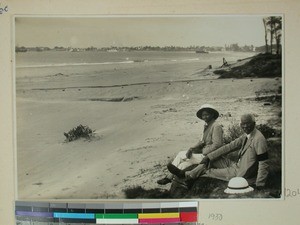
point(74, 215)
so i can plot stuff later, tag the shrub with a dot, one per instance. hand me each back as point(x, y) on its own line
point(137, 192)
point(79, 132)
point(234, 131)
point(220, 72)
point(268, 131)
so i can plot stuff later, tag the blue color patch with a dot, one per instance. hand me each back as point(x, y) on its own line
point(74, 215)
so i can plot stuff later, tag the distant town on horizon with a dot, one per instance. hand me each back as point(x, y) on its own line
point(197, 49)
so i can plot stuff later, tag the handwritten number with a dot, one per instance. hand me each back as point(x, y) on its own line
point(5, 9)
point(215, 216)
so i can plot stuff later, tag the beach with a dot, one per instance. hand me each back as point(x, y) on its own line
point(142, 111)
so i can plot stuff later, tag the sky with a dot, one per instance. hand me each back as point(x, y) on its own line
point(131, 31)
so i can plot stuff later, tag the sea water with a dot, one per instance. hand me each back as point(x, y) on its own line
point(33, 59)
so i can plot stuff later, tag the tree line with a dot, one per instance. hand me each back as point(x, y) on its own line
point(273, 32)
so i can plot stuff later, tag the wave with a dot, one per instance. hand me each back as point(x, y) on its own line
point(73, 64)
point(193, 59)
point(185, 60)
point(100, 63)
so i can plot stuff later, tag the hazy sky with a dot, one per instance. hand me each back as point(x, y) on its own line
point(139, 31)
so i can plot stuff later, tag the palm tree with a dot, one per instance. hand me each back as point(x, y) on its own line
point(278, 33)
point(271, 24)
point(274, 23)
point(266, 34)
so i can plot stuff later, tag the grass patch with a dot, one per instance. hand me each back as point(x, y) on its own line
point(137, 192)
point(262, 65)
point(272, 96)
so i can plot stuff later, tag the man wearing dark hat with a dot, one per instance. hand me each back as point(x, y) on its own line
point(211, 140)
point(252, 161)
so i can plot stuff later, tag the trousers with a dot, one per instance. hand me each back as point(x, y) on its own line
point(182, 162)
point(222, 169)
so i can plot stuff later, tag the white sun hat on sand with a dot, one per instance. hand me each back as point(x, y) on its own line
point(238, 185)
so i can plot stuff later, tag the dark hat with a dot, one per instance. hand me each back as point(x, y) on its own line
point(210, 108)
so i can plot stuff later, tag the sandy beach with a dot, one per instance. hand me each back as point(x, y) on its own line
point(142, 114)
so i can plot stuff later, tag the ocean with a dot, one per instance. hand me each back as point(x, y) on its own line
point(90, 68)
point(34, 59)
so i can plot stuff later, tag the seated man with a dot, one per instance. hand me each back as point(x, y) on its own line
point(211, 140)
point(225, 63)
point(252, 161)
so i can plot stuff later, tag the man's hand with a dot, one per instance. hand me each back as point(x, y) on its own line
point(205, 161)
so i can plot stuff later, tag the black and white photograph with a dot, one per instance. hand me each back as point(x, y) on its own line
point(149, 107)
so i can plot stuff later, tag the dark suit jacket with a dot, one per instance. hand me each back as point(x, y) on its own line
point(252, 164)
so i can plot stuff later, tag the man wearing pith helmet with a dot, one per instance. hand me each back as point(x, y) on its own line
point(252, 161)
point(212, 139)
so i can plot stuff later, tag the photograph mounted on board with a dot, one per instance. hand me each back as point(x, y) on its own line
point(149, 107)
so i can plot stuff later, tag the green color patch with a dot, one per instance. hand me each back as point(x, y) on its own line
point(117, 216)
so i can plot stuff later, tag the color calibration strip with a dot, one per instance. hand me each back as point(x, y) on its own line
point(108, 213)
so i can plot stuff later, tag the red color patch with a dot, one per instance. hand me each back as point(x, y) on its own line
point(188, 217)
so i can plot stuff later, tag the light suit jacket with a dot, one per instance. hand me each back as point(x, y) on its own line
point(253, 155)
point(212, 137)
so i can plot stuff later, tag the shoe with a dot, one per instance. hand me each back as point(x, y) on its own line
point(174, 170)
point(164, 181)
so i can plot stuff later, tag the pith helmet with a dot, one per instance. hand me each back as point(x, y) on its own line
point(209, 108)
point(238, 185)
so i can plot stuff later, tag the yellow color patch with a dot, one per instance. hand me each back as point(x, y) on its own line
point(157, 215)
